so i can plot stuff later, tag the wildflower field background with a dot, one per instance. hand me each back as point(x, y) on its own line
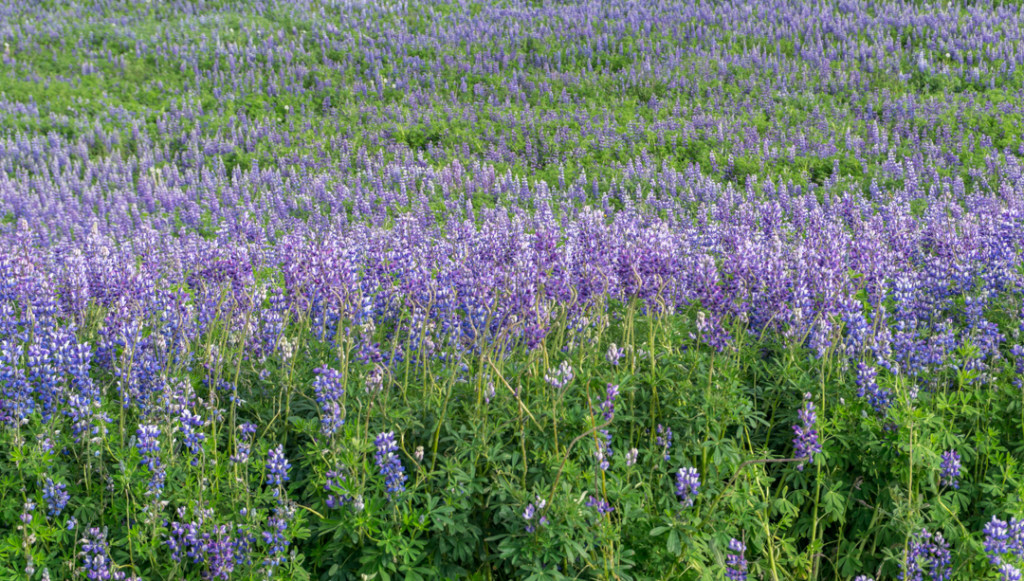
point(523, 289)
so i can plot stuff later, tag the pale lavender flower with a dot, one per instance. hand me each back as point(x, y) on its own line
point(560, 377)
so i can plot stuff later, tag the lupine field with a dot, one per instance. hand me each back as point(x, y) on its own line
point(523, 289)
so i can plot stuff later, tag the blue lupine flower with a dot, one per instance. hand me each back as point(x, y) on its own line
point(608, 405)
point(390, 465)
point(56, 497)
point(950, 469)
point(244, 443)
point(687, 485)
point(1009, 573)
point(600, 504)
point(927, 551)
point(148, 444)
point(1003, 538)
point(277, 467)
point(329, 389)
point(806, 441)
point(736, 561)
point(665, 441)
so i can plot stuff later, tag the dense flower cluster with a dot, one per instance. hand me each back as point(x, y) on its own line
point(687, 485)
point(950, 469)
point(329, 389)
point(190, 189)
point(736, 561)
point(806, 443)
point(1004, 538)
point(277, 468)
point(389, 464)
point(56, 496)
point(927, 555)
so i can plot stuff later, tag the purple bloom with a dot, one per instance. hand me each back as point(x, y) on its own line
point(736, 561)
point(600, 504)
point(665, 441)
point(806, 441)
point(927, 552)
point(530, 512)
point(389, 463)
point(148, 444)
point(27, 509)
point(604, 449)
point(244, 443)
point(560, 377)
point(329, 389)
point(277, 467)
point(95, 555)
point(608, 405)
point(1008, 572)
point(56, 497)
point(950, 469)
point(631, 456)
point(274, 537)
point(867, 387)
point(687, 485)
point(193, 438)
point(614, 354)
point(1003, 538)
point(334, 478)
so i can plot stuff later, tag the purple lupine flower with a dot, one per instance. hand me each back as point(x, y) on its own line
point(665, 441)
point(863, 578)
point(277, 468)
point(608, 405)
point(1003, 538)
point(329, 390)
point(927, 551)
point(148, 444)
point(614, 354)
point(687, 485)
point(244, 443)
point(530, 512)
point(560, 377)
point(604, 449)
point(736, 561)
point(390, 465)
point(274, 537)
point(334, 478)
point(950, 467)
point(193, 438)
point(600, 504)
point(56, 496)
point(1008, 572)
point(96, 555)
point(806, 441)
point(375, 379)
point(631, 456)
point(27, 510)
point(867, 387)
